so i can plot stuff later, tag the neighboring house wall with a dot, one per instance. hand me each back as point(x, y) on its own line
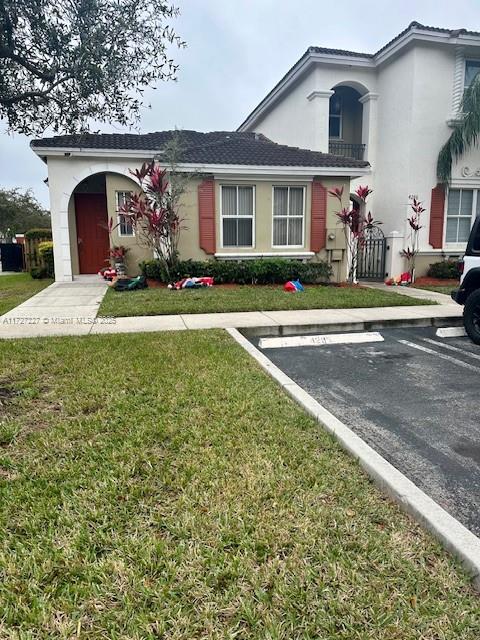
point(408, 101)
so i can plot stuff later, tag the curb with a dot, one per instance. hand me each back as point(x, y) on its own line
point(448, 530)
point(351, 325)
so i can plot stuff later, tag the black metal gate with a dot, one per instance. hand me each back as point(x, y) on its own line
point(11, 256)
point(371, 255)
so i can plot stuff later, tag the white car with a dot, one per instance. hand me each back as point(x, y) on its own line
point(468, 293)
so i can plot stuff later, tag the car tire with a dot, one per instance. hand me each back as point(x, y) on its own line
point(471, 316)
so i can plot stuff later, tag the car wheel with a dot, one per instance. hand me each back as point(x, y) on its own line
point(471, 316)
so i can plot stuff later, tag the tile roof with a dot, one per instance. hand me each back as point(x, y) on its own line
point(215, 147)
point(412, 25)
point(339, 52)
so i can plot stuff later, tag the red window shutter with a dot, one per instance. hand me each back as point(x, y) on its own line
point(437, 216)
point(318, 217)
point(206, 215)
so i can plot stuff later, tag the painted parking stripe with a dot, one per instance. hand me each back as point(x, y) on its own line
point(320, 340)
point(443, 356)
point(451, 332)
point(449, 347)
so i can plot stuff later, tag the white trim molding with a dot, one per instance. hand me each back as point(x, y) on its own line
point(237, 216)
point(288, 217)
point(320, 94)
point(269, 254)
point(370, 96)
point(458, 82)
point(230, 170)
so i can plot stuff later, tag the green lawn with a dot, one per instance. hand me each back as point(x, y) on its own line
point(159, 301)
point(438, 289)
point(16, 288)
point(165, 487)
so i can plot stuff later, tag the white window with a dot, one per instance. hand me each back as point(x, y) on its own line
point(472, 68)
point(463, 205)
point(335, 117)
point(238, 212)
point(288, 216)
point(124, 224)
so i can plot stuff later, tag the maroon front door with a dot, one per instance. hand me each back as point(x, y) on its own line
point(92, 233)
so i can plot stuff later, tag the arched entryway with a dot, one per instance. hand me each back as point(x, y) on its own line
point(346, 122)
point(91, 224)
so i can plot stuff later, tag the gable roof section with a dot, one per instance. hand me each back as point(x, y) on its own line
point(216, 147)
point(339, 56)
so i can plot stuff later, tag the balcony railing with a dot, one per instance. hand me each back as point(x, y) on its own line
point(355, 151)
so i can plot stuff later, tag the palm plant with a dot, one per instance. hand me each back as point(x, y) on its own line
point(465, 134)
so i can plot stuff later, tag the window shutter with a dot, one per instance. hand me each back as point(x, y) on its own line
point(206, 215)
point(437, 216)
point(318, 217)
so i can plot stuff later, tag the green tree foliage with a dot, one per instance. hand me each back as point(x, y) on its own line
point(63, 62)
point(20, 212)
point(465, 134)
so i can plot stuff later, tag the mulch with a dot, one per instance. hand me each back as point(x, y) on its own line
point(435, 282)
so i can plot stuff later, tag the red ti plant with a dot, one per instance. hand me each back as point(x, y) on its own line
point(410, 253)
point(154, 213)
point(354, 224)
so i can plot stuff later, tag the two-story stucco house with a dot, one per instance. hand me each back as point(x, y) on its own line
point(394, 108)
point(248, 197)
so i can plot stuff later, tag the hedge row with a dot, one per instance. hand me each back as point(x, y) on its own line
point(445, 270)
point(268, 271)
point(38, 234)
point(46, 268)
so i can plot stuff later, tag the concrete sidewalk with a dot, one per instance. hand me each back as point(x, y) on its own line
point(317, 318)
point(70, 309)
point(63, 308)
point(412, 292)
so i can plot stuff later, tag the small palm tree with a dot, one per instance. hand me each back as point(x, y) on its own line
point(465, 134)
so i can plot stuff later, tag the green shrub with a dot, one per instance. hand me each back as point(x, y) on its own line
point(45, 250)
point(38, 234)
point(267, 271)
point(38, 273)
point(445, 270)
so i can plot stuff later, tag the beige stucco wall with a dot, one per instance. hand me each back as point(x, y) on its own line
point(136, 253)
point(189, 246)
point(422, 263)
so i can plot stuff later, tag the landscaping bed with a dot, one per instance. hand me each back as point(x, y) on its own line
point(179, 493)
point(18, 287)
point(440, 285)
point(223, 298)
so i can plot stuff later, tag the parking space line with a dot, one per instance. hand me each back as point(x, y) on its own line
point(320, 340)
point(443, 356)
point(450, 347)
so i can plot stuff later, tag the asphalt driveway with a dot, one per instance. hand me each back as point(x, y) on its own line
point(413, 397)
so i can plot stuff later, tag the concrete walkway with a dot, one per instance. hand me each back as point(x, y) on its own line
point(63, 308)
point(412, 292)
point(318, 318)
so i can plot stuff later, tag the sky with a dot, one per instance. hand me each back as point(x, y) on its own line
point(237, 50)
